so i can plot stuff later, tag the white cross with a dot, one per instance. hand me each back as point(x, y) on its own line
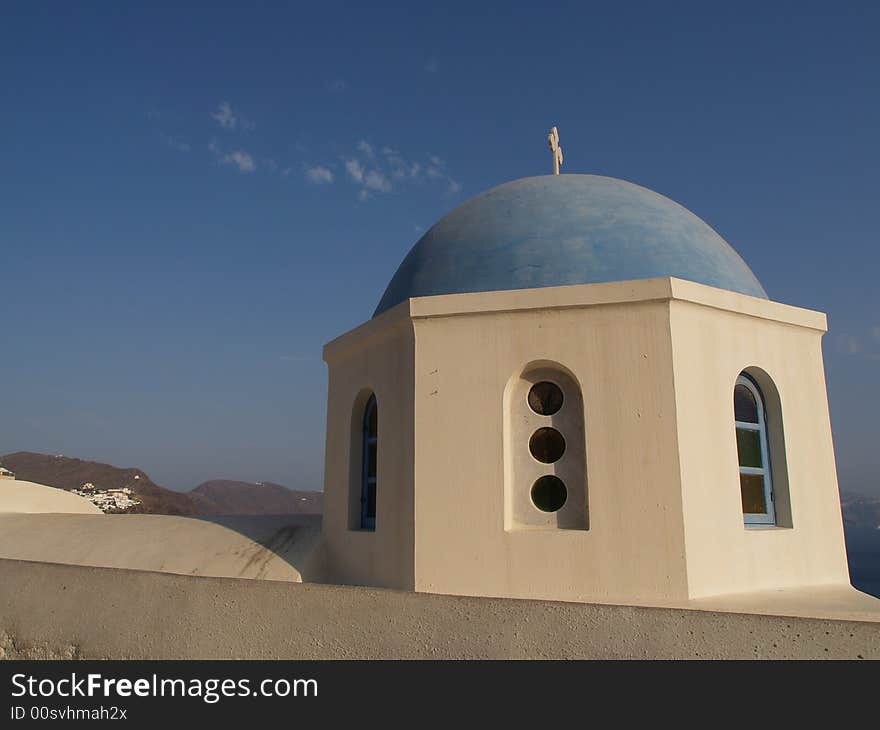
point(553, 139)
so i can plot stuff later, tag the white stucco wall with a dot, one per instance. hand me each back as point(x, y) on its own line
point(712, 346)
point(376, 358)
point(620, 356)
point(60, 611)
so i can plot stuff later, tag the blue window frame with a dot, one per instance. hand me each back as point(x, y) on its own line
point(369, 466)
point(753, 453)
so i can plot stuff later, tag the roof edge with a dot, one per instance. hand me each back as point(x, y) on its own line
point(572, 296)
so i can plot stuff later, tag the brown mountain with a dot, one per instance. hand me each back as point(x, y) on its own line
point(215, 497)
point(68, 473)
point(226, 497)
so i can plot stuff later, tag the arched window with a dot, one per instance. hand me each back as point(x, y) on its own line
point(370, 453)
point(752, 446)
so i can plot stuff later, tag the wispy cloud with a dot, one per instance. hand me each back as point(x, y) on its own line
point(400, 169)
point(160, 123)
point(227, 118)
point(373, 169)
point(319, 175)
point(851, 345)
point(239, 159)
point(355, 170)
point(863, 346)
point(372, 180)
point(224, 116)
point(175, 143)
point(436, 168)
point(376, 181)
point(377, 170)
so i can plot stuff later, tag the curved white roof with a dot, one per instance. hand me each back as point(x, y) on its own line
point(17, 495)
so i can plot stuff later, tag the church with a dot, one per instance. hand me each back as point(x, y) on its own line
point(574, 389)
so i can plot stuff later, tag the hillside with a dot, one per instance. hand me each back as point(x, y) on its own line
point(226, 497)
point(211, 498)
point(68, 473)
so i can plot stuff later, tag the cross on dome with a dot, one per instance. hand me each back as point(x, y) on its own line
point(553, 140)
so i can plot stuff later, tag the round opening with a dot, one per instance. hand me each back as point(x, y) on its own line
point(545, 398)
point(549, 493)
point(547, 445)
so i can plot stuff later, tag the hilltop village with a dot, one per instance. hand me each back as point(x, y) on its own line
point(111, 501)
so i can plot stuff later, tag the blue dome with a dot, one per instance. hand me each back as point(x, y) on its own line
point(554, 230)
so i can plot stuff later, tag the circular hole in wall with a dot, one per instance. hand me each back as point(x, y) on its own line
point(547, 445)
point(549, 493)
point(545, 398)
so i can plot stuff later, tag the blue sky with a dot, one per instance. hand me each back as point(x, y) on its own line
point(195, 199)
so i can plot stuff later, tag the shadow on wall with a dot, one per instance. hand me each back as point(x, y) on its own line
point(545, 466)
point(263, 547)
point(295, 539)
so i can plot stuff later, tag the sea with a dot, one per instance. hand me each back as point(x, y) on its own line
point(863, 552)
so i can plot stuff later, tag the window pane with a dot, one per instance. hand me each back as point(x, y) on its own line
point(753, 499)
point(547, 445)
point(372, 423)
point(371, 501)
point(748, 446)
point(744, 406)
point(545, 398)
point(371, 460)
point(549, 493)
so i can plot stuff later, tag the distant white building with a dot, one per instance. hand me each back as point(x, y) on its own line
point(108, 500)
point(6, 474)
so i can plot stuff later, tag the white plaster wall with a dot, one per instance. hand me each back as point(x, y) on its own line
point(620, 355)
point(711, 347)
point(376, 357)
point(61, 611)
